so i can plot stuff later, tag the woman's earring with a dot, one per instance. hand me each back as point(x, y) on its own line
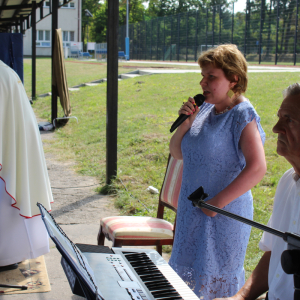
point(230, 93)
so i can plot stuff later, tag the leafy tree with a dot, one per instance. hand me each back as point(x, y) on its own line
point(92, 6)
point(160, 8)
point(98, 24)
point(136, 11)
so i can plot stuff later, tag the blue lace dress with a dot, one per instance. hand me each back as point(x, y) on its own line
point(208, 253)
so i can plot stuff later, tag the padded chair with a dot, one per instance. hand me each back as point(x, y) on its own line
point(147, 231)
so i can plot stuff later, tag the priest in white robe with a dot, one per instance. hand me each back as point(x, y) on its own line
point(24, 178)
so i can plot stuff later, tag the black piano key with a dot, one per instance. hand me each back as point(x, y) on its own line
point(142, 263)
point(168, 293)
point(170, 298)
point(146, 273)
point(157, 287)
point(153, 285)
point(151, 276)
point(153, 269)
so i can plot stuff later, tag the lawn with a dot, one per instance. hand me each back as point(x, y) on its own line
point(147, 107)
point(79, 71)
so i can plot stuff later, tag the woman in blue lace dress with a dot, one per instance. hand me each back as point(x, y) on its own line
point(221, 145)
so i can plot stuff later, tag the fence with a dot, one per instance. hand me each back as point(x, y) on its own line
point(267, 31)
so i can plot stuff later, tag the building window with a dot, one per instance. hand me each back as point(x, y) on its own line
point(72, 34)
point(68, 5)
point(65, 36)
point(46, 3)
point(47, 35)
point(43, 38)
point(68, 36)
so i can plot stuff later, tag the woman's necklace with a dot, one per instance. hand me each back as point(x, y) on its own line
point(228, 107)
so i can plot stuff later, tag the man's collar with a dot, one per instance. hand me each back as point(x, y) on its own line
point(295, 176)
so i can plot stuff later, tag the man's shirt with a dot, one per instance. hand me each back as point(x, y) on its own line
point(285, 217)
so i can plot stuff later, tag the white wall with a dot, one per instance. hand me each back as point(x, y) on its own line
point(69, 20)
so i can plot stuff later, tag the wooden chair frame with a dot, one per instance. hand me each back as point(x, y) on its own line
point(143, 242)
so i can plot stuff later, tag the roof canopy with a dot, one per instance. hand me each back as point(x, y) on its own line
point(17, 13)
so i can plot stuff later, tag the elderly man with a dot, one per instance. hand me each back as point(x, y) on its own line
point(268, 274)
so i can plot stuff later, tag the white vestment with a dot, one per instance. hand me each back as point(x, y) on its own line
point(24, 178)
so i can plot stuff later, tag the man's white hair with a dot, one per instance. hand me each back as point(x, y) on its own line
point(293, 89)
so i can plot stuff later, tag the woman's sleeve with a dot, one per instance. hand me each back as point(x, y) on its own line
point(243, 117)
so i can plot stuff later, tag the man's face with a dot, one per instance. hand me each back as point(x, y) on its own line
point(288, 128)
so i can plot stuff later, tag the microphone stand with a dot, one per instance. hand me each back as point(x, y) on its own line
point(290, 259)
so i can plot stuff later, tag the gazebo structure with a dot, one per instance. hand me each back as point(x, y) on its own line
point(20, 15)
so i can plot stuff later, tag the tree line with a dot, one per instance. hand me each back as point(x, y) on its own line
point(271, 23)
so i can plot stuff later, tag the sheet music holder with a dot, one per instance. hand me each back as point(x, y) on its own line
point(81, 275)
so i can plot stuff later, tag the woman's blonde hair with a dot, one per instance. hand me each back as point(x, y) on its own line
point(228, 58)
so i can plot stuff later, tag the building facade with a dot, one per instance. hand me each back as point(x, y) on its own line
point(69, 20)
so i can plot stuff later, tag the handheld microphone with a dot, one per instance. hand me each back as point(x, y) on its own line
point(199, 99)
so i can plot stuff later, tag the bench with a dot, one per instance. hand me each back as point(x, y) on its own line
point(85, 54)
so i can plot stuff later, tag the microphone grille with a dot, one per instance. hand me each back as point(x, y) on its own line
point(199, 99)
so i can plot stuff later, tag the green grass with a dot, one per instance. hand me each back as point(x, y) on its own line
point(147, 107)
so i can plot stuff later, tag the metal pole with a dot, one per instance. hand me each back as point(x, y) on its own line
point(246, 20)
point(232, 23)
point(87, 35)
point(213, 26)
point(277, 25)
point(178, 38)
point(33, 50)
point(41, 12)
point(171, 40)
point(186, 36)
point(157, 27)
point(151, 39)
point(145, 40)
point(206, 27)
point(164, 39)
point(196, 34)
point(220, 23)
point(22, 25)
point(296, 32)
point(260, 31)
point(112, 91)
point(139, 41)
point(53, 88)
point(127, 46)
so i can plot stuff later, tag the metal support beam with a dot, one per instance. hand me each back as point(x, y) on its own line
point(206, 29)
point(112, 91)
point(33, 50)
point(54, 26)
point(232, 23)
point(164, 38)
point(12, 7)
point(260, 31)
point(277, 26)
point(220, 23)
point(196, 35)
point(213, 26)
point(296, 33)
point(41, 12)
point(186, 35)
point(178, 36)
point(246, 26)
point(22, 25)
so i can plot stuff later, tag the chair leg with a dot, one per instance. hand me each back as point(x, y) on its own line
point(101, 237)
point(117, 243)
point(159, 249)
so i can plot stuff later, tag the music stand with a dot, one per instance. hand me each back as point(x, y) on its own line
point(72, 259)
point(288, 258)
